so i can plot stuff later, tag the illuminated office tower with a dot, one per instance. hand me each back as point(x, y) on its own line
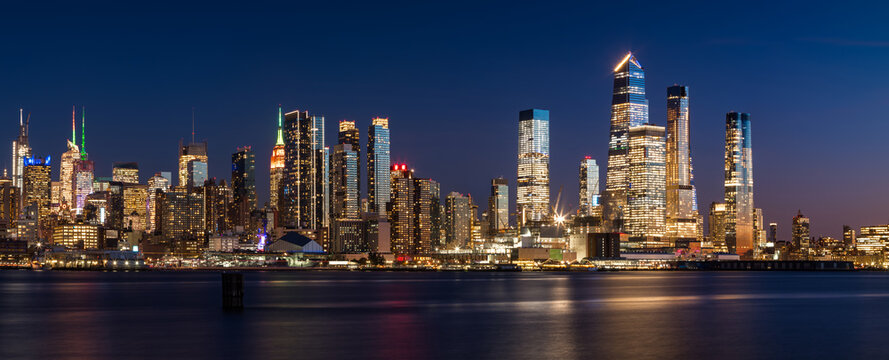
point(184, 213)
point(348, 134)
point(533, 166)
point(589, 187)
point(344, 181)
point(848, 237)
point(78, 236)
point(305, 171)
point(56, 190)
point(682, 208)
point(717, 227)
point(20, 150)
point(9, 205)
point(800, 229)
point(83, 183)
point(66, 170)
point(219, 206)
point(157, 185)
point(760, 234)
point(125, 172)
point(276, 170)
point(738, 184)
point(135, 210)
point(414, 212)
point(629, 108)
point(243, 186)
point(458, 220)
point(378, 187)
point(646, 194)
point(498, 205)
point(773, 233)
point(37, 188)
point(192, 163)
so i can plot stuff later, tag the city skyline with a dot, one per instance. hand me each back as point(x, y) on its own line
point(576, 124)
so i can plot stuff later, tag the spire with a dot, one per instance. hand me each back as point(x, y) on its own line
point(83, 133)
point(631, 58)
point(73, 127)
point(280, 128)
point(192, 124)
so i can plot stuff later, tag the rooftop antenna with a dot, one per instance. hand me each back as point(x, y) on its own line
point(73, 127)
point(192, 124)
point(83, 133)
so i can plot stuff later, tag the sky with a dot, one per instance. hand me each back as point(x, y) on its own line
point(452, 78)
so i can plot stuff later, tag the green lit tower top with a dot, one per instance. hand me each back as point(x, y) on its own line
point(280, 128)
point(83, 134)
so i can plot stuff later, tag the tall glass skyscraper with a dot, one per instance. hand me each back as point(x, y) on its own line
point(378, 163)
point(498, 205)
point(646, 201)
point(629, 108)
point(306, 167)
point(682, 207)
point(738, 184)
point(589, 186)
point(533, 168)
point(276, 169)
point(243, 186)
point(20, 151)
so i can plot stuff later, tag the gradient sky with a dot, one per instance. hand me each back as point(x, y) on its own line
point(452, 78)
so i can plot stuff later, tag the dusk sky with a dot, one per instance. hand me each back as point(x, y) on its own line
point(452, 79)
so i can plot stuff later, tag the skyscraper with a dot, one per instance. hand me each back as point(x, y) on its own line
point(738, 184)
point(533, 166)
point(220, 211)
point(378, 187)
point(135, 209)
point(243, 186)
point(682, 205)
point(276, 170)
point(589, 187)
point(498, 205)
point(36, 188)
point(193, 163)
point(9, 205)
point(66, 173)
point(125, 172)
point(84, 170)
point(344, 181)
point(414, 212)
point(717, 227)
point(20, 150)
point(305, 166)
point(773, 233)
point(348, 134)
point(629, 108)
point(646, 195)
point(801, 232)
point(157, 186)
point(458, 220)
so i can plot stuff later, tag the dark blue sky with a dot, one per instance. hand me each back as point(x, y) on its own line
point(452, 78)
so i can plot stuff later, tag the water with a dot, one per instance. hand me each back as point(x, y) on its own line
point(351, 315)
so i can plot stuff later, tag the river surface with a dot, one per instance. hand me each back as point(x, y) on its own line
point(451, 315)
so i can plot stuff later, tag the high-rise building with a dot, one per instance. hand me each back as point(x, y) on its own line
point(135, 206)
point(414, 212)
point(738, 184)
point(220, 209)
point(305, 171)
point(589, 187)
point(184, 214)
point(533, 166)
point(773, 233)
point(157, 186)
point(458, 220)
point(344, 181)
point(348, 134)
point(646, 195)
point(378, 187)
point(800, 229)
point(760, 234)
point(20, 151)
point(66, 173)
point(848, 237)
point(78, 236)
point(717, 226)
point(37, 187)
point(276, 170)
point(243, 186)
point(83, 182)
point(629, 108)
point(9, 205)
point(682, 206)
point(872, 240)
point(193, 163)
point(125, 172)
point(498, 205)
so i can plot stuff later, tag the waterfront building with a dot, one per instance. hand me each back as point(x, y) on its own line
point(80, 236)
point(349, 236)
point(800, 231)
point(306, 167)
point(243, 186)
point(738, 184)
point(682, 216)
point(646, 200)
point(125, 172)
point(458, 220)
point(498, 205)
point(378, 162)
point(629, 108)
point(848, 237)
point(872, 240)
point(21, 150)
point(760, 237)
point(344, 181)
point(414, 212)
point(717, 227)
point(276, 169)
point(589, 187)
point(532, 186)
point(193, 163)
point(773, 233)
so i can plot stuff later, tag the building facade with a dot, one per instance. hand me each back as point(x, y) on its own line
point(306, 172)
point(125, 172)
point(532, 185)
point(414, 212)
point(589, 187)
point(682, 216)
point(498, 205)
point(243, 185)
point(458, 220)
point(738, 184)
point(378, 163)
point(644, 218)
point(276, 169)
point(193, 163)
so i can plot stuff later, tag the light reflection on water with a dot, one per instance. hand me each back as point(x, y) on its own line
point(445, 315)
